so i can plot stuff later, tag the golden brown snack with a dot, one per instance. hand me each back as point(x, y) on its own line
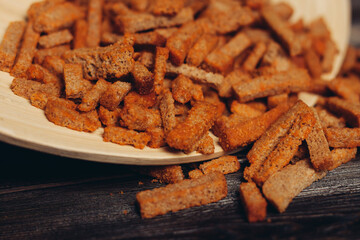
point(157, 135)
point(58, 112)
point(25, 88)
point(343, 137)
point(256, 54)
point(205, 145)
point(341, 156)
point(186, 134)
point(329, 120)
point(273, 101)
point(221, 59)
point(91, 98)
point(349, 111)
point(137, 117)
point(282, 30)
point(162, 54)
point(245, 110)
point(283, 186)
point(75, 85)
point(329, 56)
point(203, 46)
point(249, 131)
point(253, 201)
point(294, 80)
point(187, 193)
point(94, 19)
point(181, 88)
point(286, 148)
point(318, 145)
point(166, 7)
point(165, 174)
point(313, 63)
point(55, 39)
point(225, 165)
point(167, 110)
point(55, 65)
point(180, 42)
point(344, 89)
point(26, 53)
point(114, 95)
point(55, 51)
point(80, 34)
point(57, 17)
point(124, 136)
point(109, 118)
point(10, 45)
point(196, 173)
point(143, 79)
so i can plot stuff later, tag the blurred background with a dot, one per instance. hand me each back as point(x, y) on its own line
point(355, 31)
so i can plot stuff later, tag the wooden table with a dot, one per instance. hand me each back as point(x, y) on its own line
point(49, 197)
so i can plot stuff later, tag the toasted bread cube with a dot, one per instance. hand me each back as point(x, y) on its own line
point(318, 145)
point(205, 145)
point(187, 193)
point(109, 118)
point(253, 201)
point(162, 54)
point(25, 88)
point(58, 112)
point(157, 135)
point(137, 117)
point(294, 80)
point(165, 174)
point(80, 34)
point(344, 89)
point(244, 110)
point(92, 97)
point(349, 111)
point(166, 7)
point(180, 43)
point(143, 79)
point(57, 17)
point(55, 39)
point(203, 46)
point(57, 51)
point(313, 63)
point(329, 56)
point(167, 110)
point(181, 89)
point(329, 120)
point(282, 30)
point(10, 45)
point(55, 65)
point(343, 137)
point(75, 85)
point(225, 165)
point(115, 94)
point(283, 186)
point(124, 136)
point(196, 173)
point(256, 54)
point(196, 125)
point(275, 100)
point(26, 53)
point(94, 18)
point(341, 156)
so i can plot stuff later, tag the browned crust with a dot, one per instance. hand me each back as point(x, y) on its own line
point(283, 186)
point(341, 156)
point(318, 145)
point(256, 54)
point(204, 45)
point(294, 80)
point(253, 201)
point(55, 39)
point(249, 131)
point(187, 193)
point(55, 51)
point(26, 52)
point(94, 18)
point(115, 94)
point(162, 54)
point(75, 85)
point(10, 45)
point(286, 148)
point(91, 98)
point(312, 60)
point(283, 31)
point(166, 7)
point(167, 110)
point(350, 111)
point(165, 174)
point(343, 137)
point(124, 136)
point(80, 34)
point(199, 120)
point(143, 79)
point(225, 165)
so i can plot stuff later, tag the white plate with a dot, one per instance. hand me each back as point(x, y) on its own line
point(26, 126)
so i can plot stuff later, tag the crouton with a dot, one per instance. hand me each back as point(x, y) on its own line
point(75, 85)
point(253, 201)
point(123, 136)
point(55, 39)
point(349, 111)
point(225, 165)
point(91, 98)
point(143, 79)
point(343, 137)
point(115, 94)
point(94, 19)
point(187, 193)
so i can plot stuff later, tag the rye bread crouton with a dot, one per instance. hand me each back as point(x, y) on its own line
point(225, 165)
point(343, 137)
point(55, 39)
point(349, 111)
point(143, 79)
point(283, 186)
point(123, 136)
point(115, 94)
point(10, 45)
point(187, 193)
point(253, 201)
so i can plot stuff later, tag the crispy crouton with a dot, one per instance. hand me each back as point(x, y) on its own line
point(244, 110)
point(80, 34)
point(181, 89)
point(343, 137)
point(25, 88)
point(157, 135)
point(165, 174)
point(196, 173)
point(109, 118)
point(187, 193)
point(225, 165)
point(114, 94)
point(349, 111)
point(253, 201)
point(54, 51)
point(196, 125)
point(203, 46)
point(26, 53)
point(313, 63)
point(344, 89)
point(75, 85)
point(205, 145)
point(249, 131)
point(294, 80)
point(283, 31)
point(55, 39)
point(286, 148)
point(137, 117)
point(123, 136)
point(166, 7)
point(319, 150)
point(94, 19)
point(167, 110)
point(92, 97)
point(162, 54)
point(57, 17)
point(253, 59)
point(10, 45)
point(283, 186)
point(341, 156)
point(143, 79)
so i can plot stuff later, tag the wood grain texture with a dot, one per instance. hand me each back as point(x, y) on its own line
point(48, 197)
